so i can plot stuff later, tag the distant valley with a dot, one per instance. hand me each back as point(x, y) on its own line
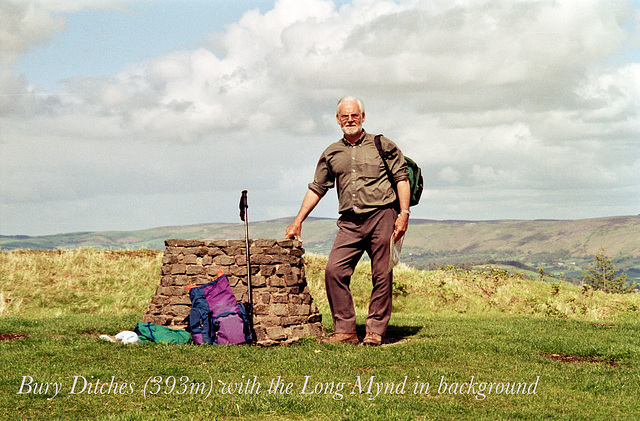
point(563, 248)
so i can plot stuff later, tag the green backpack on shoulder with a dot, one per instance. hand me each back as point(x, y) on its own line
point(415, 173)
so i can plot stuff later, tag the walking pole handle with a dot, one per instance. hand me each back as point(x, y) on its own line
point(243, 205)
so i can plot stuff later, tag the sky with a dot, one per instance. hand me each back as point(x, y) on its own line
point(125, 115)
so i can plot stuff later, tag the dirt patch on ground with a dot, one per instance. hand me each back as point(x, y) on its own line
point(577, 359)
point(11, 336)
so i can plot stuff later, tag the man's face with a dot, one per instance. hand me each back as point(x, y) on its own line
point(350, 118)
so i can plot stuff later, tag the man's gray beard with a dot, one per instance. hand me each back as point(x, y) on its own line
point(351, 130)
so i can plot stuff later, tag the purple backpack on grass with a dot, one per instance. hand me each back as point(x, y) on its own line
point(216, 317)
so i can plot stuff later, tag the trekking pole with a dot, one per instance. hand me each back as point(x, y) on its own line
point(243, 217)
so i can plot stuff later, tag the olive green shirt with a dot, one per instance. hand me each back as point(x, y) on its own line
point(358, 172)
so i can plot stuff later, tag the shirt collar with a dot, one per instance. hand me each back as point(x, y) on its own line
point(358, 142)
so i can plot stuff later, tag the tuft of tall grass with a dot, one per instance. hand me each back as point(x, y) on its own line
point(487, 290)
point(55, 283)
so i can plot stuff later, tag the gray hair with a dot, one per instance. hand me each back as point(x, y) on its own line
point(349, 98)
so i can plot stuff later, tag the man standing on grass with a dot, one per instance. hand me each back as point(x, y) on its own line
point(368, 205)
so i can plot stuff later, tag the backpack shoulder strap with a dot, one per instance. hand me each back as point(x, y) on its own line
point(383, 156)
point(376, 140)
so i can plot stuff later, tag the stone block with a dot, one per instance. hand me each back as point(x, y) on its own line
point(178, 269)
point(267, 270)
point(297, 252)
point(268, 321)
point(195, 270)
point(280, 258)
point(201, 251)
point(294, 289)
point(280, 298)
point(276, 250)
point(288, 243)
point(275, 281)
point(179, 310)
point(315, 318)
point(170, 291)
point(213, 270)
point(215, 252)
point(294, 320)
point(238, 291)
point(170, 243)
point(284, 269)
point(169, 259)
point(258, 281)
point(253, 250)
point(213, 244)
point(276, 333)
point(224, 260)
point(314, 329)
point(180, 300)
point(159, 300)
point(295, 299)
point(261, 309)
point(190, 259)
point(162, 319)
point(234, 251)
point(264, 242)
point(261, 334)
point(173, 251)
point(291, 280)
point(280, 309)
point(264, 298)
point(303, 310)
point(261, 259)
point(297, 332)
point(166, 281)
point(238, 270)
point(237, 243)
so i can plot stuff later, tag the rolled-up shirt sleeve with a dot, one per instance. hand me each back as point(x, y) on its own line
point(323, 179)
point(396, 162)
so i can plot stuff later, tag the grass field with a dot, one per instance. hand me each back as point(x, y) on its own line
point(462, 345)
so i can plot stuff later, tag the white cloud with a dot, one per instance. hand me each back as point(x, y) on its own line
point(24, 25)
point(519, 98)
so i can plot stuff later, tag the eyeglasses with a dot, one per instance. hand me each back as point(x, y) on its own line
point(347, 117)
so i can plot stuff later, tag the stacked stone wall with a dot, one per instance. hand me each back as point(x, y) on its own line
point(284, 310)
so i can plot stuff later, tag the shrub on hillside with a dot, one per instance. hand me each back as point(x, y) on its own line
point(602, 275)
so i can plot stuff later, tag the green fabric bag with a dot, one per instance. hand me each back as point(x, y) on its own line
point(149, 332)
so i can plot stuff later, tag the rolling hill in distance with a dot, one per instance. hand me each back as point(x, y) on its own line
point(561, 247)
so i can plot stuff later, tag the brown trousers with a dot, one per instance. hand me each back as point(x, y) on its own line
point(358, 234)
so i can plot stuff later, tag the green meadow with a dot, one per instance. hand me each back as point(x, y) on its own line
point(462, 344)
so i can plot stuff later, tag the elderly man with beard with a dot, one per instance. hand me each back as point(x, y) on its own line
point(372, 210)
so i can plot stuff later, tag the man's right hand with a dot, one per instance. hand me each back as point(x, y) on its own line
point(309, 202)
point(294, 231)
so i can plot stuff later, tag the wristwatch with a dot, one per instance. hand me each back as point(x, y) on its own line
point(407, 211)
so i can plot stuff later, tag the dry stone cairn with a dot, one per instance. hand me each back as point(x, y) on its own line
point(283, 308)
